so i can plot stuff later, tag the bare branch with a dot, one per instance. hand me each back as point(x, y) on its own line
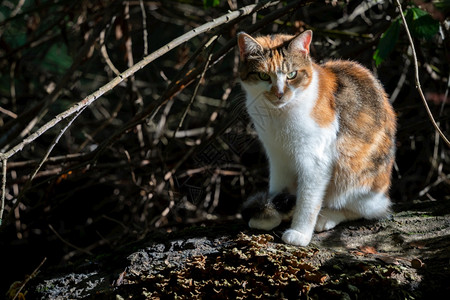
point(417, 79)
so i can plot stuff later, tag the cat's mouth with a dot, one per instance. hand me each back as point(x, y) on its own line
point(279, 103)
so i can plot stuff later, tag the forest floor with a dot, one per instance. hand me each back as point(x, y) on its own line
point(404, 257)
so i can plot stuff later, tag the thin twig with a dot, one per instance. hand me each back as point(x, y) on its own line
point(18, 8)
point(130, 164)
point(215, 202)
point(401, 81)
point(186, 69)
point(105, 55)
point(68, 243)
point(417, 79)
point(144, 27)
point(8, 113)
point(445, 96)
point(439, 180)
point(159, 130)
point(111, 118)
point(131, 83)
point(194, 94)
point(35, 272)
point(359, 11)
point(55, 141)
point(2, 208)
point(51, 160)
point(12, 84)
point(128, 41)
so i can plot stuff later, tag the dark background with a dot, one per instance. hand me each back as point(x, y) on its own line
point(97, 193)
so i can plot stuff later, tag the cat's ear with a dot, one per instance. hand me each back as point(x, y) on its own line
point(301, 42)
point(247, 45)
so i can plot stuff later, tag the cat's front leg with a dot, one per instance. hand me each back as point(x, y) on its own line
point(303, 222)
point(310, 193)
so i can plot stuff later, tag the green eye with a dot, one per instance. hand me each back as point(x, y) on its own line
point(291, 75)
point(264, 76)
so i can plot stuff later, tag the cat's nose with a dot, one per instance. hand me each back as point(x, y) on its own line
point(279, 94)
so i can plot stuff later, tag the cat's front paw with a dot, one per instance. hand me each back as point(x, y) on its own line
point(296, 238)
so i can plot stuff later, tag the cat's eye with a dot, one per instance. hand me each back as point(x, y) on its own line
point(264, 76)
point(291, 75)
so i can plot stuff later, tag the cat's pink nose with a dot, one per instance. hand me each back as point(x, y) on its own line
point(279, 95)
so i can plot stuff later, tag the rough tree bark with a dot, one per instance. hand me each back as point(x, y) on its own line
point(403, 257)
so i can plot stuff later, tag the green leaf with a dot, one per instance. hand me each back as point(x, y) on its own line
point(57, 59)
point(210, 3)
point(387, 42)
point(421, 24)
point(416, 13)
point(425, 27)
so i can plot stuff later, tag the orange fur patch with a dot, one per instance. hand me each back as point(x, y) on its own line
point(324, 111)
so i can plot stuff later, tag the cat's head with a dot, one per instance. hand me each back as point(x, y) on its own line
point(275, 68)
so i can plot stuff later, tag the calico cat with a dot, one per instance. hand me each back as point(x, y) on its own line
point(328, 131)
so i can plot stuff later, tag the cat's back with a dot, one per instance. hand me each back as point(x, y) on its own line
point(355, 84)
point(360, 99)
